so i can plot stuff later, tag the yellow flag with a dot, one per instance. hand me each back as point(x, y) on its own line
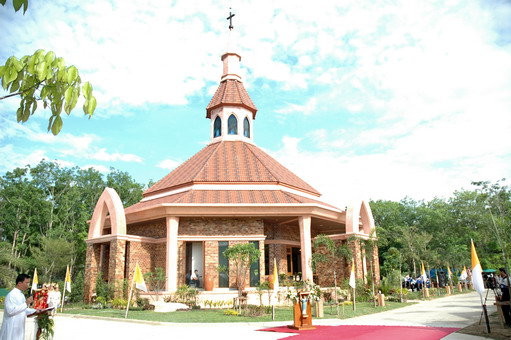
point(67, 281)
point(139, 279)
point(276, 286)
point(352, 276)
point(275, 276)
point(449, 273)
point(477, 271)
point(35, 280)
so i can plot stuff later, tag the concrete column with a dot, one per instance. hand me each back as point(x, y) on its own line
point(306, 247)
point(172, 253)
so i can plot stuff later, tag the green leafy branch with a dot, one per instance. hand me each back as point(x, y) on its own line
point(17, 4)
point(43, 76)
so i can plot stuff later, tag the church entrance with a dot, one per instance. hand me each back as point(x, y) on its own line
point(195, 261)
point(294, 262)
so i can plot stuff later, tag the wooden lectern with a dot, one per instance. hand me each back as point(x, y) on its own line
point(302, 321)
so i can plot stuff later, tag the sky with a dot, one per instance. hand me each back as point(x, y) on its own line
point(362, 99)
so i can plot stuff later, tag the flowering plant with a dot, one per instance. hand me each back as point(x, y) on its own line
point(293, 293)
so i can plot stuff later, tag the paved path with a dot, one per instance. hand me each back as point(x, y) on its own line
point(455, 311)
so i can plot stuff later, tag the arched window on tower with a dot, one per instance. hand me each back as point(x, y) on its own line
point(232, 125)
point(217, 127)
point(246, 128)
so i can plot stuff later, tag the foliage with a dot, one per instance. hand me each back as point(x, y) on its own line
point(104, 289)
point(17, 4)
point(293, 293)
point(438, 232)
point(156, 280)
point(184, 294)
point(46, 324)
point(241, 256)
point(327, 250)
point(76, 294)
point(45, 77)
point(119, 303)
point(44, 211)
point(231, 312)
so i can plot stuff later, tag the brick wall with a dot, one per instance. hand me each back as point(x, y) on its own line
point(117, 260)
point(91, 271)
point(155, 229)
point(211, 262)
point(220, 226)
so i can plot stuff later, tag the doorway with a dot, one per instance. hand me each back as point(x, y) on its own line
point(194, 261)
point(294, 261)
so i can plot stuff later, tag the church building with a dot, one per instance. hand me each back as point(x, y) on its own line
point(229, 192)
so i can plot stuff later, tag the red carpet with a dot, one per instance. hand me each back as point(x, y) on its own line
point(366, 332)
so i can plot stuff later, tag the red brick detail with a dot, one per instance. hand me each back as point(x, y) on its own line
point(220, 226)
point(117, 261)
point(155, 229)
point(91, 271)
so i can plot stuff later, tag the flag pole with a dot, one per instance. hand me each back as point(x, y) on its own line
point(129, 296)
point(62, 302)
point(354, 300)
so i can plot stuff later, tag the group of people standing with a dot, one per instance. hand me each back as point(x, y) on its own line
point(415, 284)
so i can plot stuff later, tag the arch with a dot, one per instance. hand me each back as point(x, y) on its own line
point(358, 212)
point(217, 127)
point(108, 202)
point(232, 125)
point(246, 127)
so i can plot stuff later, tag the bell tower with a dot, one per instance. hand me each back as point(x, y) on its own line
point(231, 110)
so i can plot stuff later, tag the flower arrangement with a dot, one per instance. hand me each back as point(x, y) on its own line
point(293, 293)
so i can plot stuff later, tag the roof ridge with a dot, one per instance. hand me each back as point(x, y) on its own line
point(263, 164)
point(206, 161)
point(288, 194)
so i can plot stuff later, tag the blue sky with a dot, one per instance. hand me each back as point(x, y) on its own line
point(362, 99)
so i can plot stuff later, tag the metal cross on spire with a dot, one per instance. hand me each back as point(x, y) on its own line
point(230, 19)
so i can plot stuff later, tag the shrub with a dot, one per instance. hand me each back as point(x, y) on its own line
point(184, 294)
point(119, 303)
point(231, 312)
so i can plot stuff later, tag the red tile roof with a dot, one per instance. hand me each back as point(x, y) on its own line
point(230, 162)
point(227, 197)
point(231, 92)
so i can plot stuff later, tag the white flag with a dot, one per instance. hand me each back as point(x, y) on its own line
point(352, 275)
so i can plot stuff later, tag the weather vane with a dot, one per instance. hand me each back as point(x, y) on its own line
point(230, 19)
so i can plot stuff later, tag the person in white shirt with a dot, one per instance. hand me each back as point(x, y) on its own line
point(54, 297)
point(194, 279)
point(16, 310)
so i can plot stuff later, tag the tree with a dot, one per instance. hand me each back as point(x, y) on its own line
point(44, 77)
point(241, 256)
point(331, 253)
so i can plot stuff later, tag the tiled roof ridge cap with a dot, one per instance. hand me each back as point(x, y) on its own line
point(206, 161)
point(275, 178)
point(180, 166)
point(290, 196)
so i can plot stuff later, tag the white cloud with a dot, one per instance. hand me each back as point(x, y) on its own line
point(100, 168)
point(102, 155)
point(10, 157)
point(169, 164)
point(309, 107)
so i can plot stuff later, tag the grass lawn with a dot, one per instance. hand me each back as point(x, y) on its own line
point(217, 315)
